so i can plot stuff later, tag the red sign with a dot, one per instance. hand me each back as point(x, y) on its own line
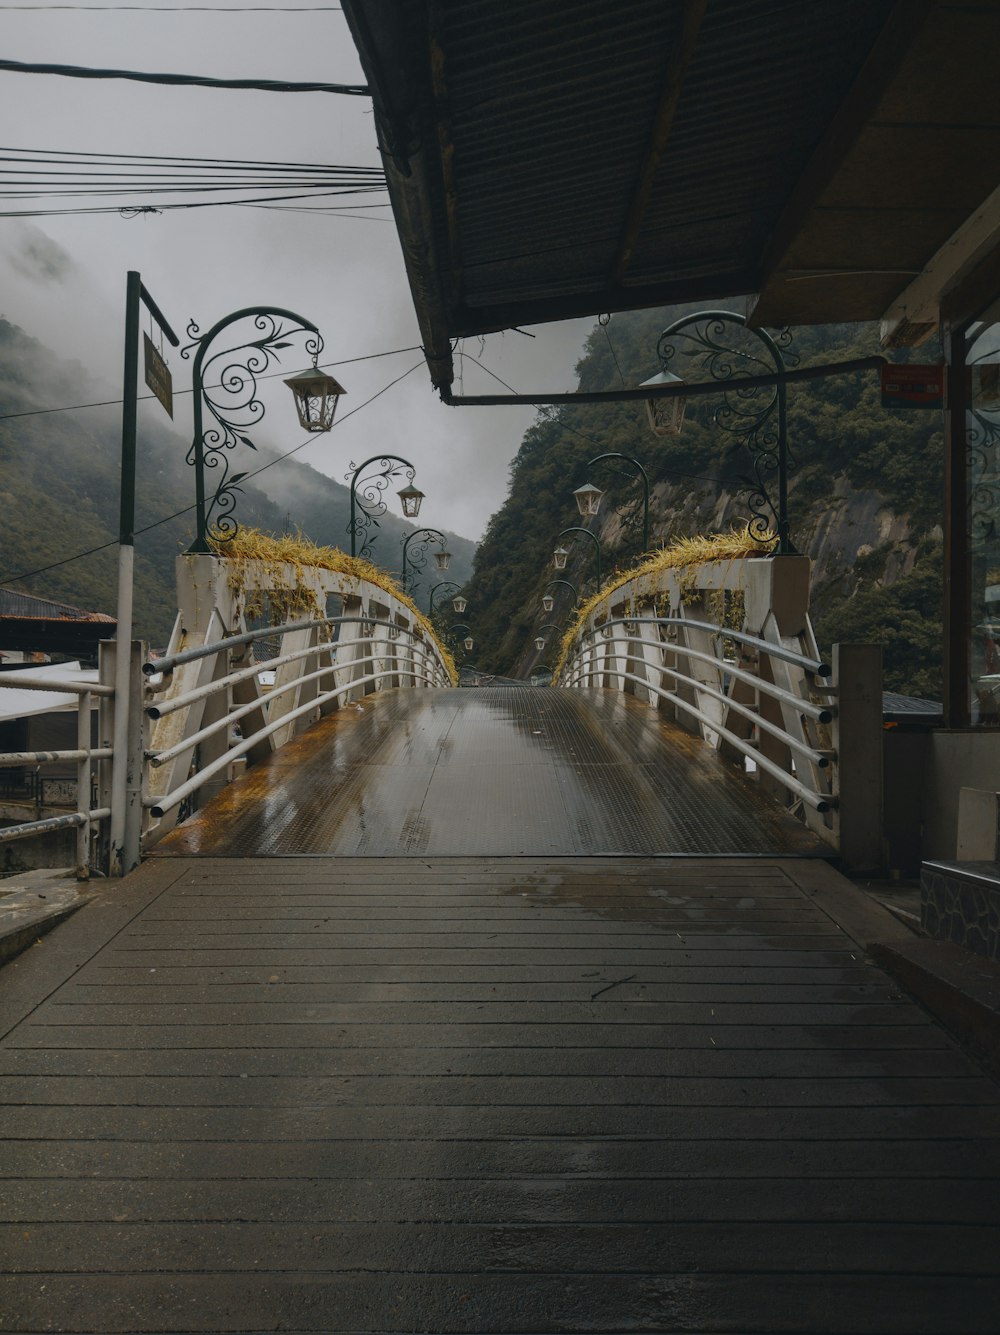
point(913, 386)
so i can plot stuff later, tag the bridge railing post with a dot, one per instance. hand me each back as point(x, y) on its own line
point(857, 735)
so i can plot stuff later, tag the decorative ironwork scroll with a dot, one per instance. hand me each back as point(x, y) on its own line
point(226, 382)
point(721, 346)
point(416, 548)
point(368, 488)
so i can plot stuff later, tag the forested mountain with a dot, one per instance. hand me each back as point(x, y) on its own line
point(865, 499)
point(59, 491)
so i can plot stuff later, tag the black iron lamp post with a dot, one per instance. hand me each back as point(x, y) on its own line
point(233, 403)
point(371, 502)
point(561, 555)
point(588, 497)
point(445, 584)
point(724, 345)
point(548, 602)
point(423, 537)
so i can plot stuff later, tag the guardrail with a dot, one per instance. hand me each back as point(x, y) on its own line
point(726, 650)
point(86, 756)
point(197, 716)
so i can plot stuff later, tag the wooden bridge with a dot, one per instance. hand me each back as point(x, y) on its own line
point(415, 1027)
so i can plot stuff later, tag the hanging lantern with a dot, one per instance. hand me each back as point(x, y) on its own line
point(468, 641)
point(411, 497)
point(459, 603)
point(588, 499)
point(548, 602)
point(316, 395)
point(539, 641)
point(666, 415)
point(442, 560)
point(559, 558)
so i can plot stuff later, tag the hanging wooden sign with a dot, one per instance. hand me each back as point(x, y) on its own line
point(157, 375)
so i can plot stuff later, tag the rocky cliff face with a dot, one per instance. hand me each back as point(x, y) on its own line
point(864, 502)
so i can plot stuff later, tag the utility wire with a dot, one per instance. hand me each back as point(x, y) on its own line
point(269, 375)
point(182, 80)
point(189, 9)
point(157, 523)
point(568, 426)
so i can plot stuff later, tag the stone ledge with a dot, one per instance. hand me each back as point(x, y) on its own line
point(960, 988)
point(34, 902)
point(960, 903)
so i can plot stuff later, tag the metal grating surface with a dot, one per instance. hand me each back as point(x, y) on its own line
point(496, 773)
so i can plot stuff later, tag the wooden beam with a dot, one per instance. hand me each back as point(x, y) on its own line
point(884, 60)
point(681, 52)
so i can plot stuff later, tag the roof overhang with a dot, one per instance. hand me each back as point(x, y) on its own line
point(545, 163)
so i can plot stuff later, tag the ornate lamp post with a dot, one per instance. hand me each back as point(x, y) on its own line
point(372, 487)
point(232, 400)
point(588, 497)
point(423, 537)
point(560, 555)
point(444, 584)
point(758, 414)
point(548, 602)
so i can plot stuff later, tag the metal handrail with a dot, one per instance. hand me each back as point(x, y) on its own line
point(820, 713)
point(813, 665)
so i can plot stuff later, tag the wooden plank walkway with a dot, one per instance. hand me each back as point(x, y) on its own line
point(497, 1094)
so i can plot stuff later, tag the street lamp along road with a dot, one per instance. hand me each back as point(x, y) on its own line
point(232, 400)
point(722, 343)
point(371, 501)
point(588, 497)
point(423, 537)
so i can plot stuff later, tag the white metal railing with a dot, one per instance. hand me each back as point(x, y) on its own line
point(85, 755)
point(726, 649)
point(177, 716)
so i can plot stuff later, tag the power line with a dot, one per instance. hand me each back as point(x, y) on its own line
point(270, 375)
point(188, 9)
point(104, 546)
point(182, 80)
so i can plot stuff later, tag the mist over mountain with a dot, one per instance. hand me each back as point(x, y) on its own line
point(59, 489)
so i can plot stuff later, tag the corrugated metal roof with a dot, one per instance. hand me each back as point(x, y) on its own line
point(13, 603)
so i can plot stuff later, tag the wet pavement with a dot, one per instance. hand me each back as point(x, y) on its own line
point(485, 1095)
point(503, 772)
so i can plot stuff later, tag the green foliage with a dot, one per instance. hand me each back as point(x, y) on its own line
point(859, 471)
point(59, 485)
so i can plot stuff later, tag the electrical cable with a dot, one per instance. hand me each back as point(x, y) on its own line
point(103, 547)
point(269, 375)
point(189, 9)
point(182, 80)
point(568, 426)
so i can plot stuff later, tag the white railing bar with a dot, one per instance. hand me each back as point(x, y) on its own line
point(161, 709)
point(12, 758)
point(72, 820)
point(22, 682)
point(814, 665)
point(821, 758)
point(821, 802)
point(165, 666)
point(161, 805)
point(821, 713)
point(158, 758)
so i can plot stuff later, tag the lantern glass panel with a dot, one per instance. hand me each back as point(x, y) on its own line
point(548, 603)
point(539, 641)
point(410, 497)
point(459, 604)
point(588, 500)
point(442, 560)
point(468, 641)
point(665, 415)
point(559, 558)
point(316, 395)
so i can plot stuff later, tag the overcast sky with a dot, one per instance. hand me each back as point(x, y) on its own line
point(63, 278)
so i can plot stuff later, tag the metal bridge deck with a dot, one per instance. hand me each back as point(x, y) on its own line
point(502, 772)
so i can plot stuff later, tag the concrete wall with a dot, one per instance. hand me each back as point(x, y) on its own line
point(955, 760)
